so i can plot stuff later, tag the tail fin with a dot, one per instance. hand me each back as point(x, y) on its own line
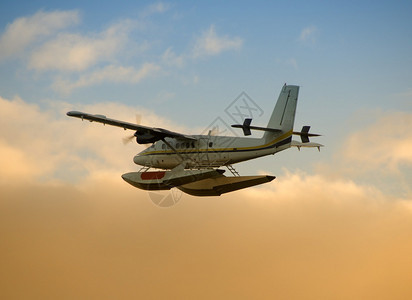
point(283, 116)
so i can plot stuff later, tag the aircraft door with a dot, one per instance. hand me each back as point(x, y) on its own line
point(202, 148)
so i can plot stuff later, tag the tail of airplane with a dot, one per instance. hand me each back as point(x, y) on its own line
point(283, 116)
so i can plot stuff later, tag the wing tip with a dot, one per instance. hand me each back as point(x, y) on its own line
point(74, 113)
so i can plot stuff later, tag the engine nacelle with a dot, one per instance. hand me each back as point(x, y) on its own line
point(146, 138)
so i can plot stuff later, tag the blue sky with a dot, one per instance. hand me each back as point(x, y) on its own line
point(345, 55)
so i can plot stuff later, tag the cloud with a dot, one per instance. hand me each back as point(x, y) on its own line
point(110, 73)
point(384, 145)
point(170, 58)
point(79, 60)
point(377, 153)
point(308, 34)
point(87, 60)
point(302, 236)
point(156, 8)
point(312, 236)
point(26, 30)
point(74, 52)
point(73, 60)
point(16, 164)
point(42, 144)
point(209, 43)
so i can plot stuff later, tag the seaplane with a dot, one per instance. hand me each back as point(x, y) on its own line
point(194, 163)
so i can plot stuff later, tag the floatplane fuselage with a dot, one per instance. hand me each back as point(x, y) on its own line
point(191, 162)
point(209, 151)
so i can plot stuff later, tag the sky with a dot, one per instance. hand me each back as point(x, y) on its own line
point(333, 224)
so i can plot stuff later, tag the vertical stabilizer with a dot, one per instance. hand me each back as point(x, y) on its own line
point(283, 115)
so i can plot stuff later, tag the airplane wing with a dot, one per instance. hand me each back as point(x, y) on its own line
point(143, 134)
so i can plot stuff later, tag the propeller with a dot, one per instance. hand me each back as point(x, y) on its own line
point(214, 131)
point(128, 139)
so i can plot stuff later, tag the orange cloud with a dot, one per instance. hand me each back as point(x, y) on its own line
point(378, 154)
point(108, 240)
point(385, 144)
point(42, 143)
point(307, 236)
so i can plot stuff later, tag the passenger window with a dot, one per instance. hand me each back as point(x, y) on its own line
point(193, 144)
point(211, 144)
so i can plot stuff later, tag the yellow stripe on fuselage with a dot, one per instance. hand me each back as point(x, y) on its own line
point(259, 147)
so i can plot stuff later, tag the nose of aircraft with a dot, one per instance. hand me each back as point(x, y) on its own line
point(140, 160)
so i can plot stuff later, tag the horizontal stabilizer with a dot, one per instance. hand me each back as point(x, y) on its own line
point(306, 145)
point(304, 134)
point(246, 127)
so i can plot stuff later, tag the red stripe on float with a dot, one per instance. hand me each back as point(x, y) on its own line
point(152, 175)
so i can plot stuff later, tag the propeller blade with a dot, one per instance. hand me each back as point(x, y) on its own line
point(214, 131)
point(127, 139)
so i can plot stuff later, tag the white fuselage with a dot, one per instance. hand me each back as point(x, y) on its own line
point(209, 151)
